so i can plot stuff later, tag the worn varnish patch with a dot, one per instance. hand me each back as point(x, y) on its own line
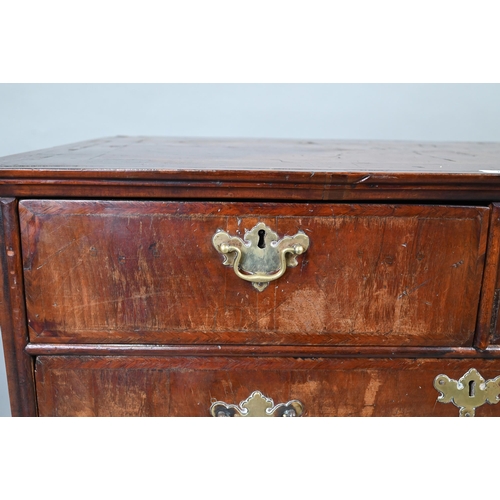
point(121, 271)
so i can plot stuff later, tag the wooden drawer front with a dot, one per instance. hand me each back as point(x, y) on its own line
point(183, 386)
point(147, 272)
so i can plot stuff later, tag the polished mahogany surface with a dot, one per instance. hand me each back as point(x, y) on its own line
point(114, 301)
point(157, 167)
point(147, 272)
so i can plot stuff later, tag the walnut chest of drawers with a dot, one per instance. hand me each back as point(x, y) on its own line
point(147, 276)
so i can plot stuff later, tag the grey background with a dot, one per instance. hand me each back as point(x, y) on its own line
point(35, 116)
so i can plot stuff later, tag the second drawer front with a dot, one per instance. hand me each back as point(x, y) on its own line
point(184, 386)
point(147, 272)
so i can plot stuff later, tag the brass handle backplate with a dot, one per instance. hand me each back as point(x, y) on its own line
point(469, 392)
point(260, 257)
point(257, 405)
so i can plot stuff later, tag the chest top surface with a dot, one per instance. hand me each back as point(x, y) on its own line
point(198, 154)
point(312, 169)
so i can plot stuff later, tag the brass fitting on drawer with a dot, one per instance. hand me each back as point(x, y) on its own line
point(260, 257)
point(257, 405)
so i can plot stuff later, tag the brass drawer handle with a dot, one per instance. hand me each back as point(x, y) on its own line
point(257, 405)
point(260, 258)
point(469, 392)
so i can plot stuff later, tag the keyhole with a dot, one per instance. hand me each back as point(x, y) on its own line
point(472, 389)
point(261, 243)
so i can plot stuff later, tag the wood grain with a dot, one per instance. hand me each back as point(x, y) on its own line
point(185, 386)
point(18, 363)
point(156, 154)
point(147, 272)
point(155, 167)
point(490, 292)
point(130, 311)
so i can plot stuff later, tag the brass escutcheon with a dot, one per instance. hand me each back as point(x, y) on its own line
point(469, 392)
point(257, 405)
point(260, 257)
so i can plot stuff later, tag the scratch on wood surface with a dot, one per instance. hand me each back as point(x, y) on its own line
point(57, 227)
point(62, 282)
point(407, 292)
point(363, 179)
point(57, 252)
point(140, 296)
